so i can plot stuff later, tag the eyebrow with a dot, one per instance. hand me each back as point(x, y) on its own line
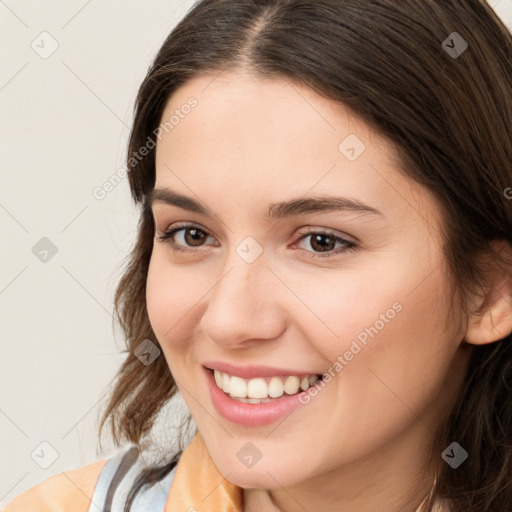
point(293, 207)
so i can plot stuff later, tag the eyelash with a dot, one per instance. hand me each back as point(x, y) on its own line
point(167, 237)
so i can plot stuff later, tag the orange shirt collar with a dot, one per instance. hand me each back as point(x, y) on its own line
point(198, 484)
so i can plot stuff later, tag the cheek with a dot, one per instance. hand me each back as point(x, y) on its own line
point(396, 302)
point(170, 297)
point(385, 336)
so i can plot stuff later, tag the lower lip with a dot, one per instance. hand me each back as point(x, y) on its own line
point(253, 415)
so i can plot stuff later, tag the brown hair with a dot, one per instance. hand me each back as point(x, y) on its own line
point(450, 119)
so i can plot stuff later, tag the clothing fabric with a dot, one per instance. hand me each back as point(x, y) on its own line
point(194, 485)
point(116, 479)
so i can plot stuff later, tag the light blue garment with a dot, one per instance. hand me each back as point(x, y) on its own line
point(116, 479)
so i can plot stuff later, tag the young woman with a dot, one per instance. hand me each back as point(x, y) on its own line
point(323, 266)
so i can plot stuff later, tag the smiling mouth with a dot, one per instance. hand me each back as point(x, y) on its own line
point(263, 389)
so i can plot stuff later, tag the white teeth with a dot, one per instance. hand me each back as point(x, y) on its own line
point(291, 385)
point(258, 390)
point(237, 387)
point(275, 387)
point(218, 378)
point(304, 383)
point(253, 400)
point(225, 382)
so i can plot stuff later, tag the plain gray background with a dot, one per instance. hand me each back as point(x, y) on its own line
point(65, 119)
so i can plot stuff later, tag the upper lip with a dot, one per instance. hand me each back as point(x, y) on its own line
point(253, 371)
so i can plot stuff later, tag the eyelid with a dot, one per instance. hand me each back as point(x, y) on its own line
point(169, 233)
point(333, 232)
point(175, 226)
point(308, 230)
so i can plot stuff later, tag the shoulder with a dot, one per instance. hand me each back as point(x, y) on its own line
point(67, 491)
point(102, 485)
point(118, 477)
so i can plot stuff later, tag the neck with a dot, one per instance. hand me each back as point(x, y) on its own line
point(257, 500)
point(383, 481)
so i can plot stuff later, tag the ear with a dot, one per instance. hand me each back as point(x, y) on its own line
point(491, 316)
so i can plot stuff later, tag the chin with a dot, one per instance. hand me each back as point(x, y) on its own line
point(262, 476)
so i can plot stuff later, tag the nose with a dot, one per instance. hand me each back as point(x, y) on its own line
point(245, 306)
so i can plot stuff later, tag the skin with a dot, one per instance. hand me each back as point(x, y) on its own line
point(363, 443)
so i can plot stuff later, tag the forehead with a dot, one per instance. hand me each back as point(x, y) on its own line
point(253, 113)
point(275, 138)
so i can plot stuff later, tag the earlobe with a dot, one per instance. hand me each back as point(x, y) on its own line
point(492, 320)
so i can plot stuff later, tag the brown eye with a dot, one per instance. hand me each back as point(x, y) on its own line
point(194, 236)
point(325, 242)
point(183, 237)
point(321, 242)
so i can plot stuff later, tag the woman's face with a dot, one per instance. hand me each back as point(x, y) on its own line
point(269, 291)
